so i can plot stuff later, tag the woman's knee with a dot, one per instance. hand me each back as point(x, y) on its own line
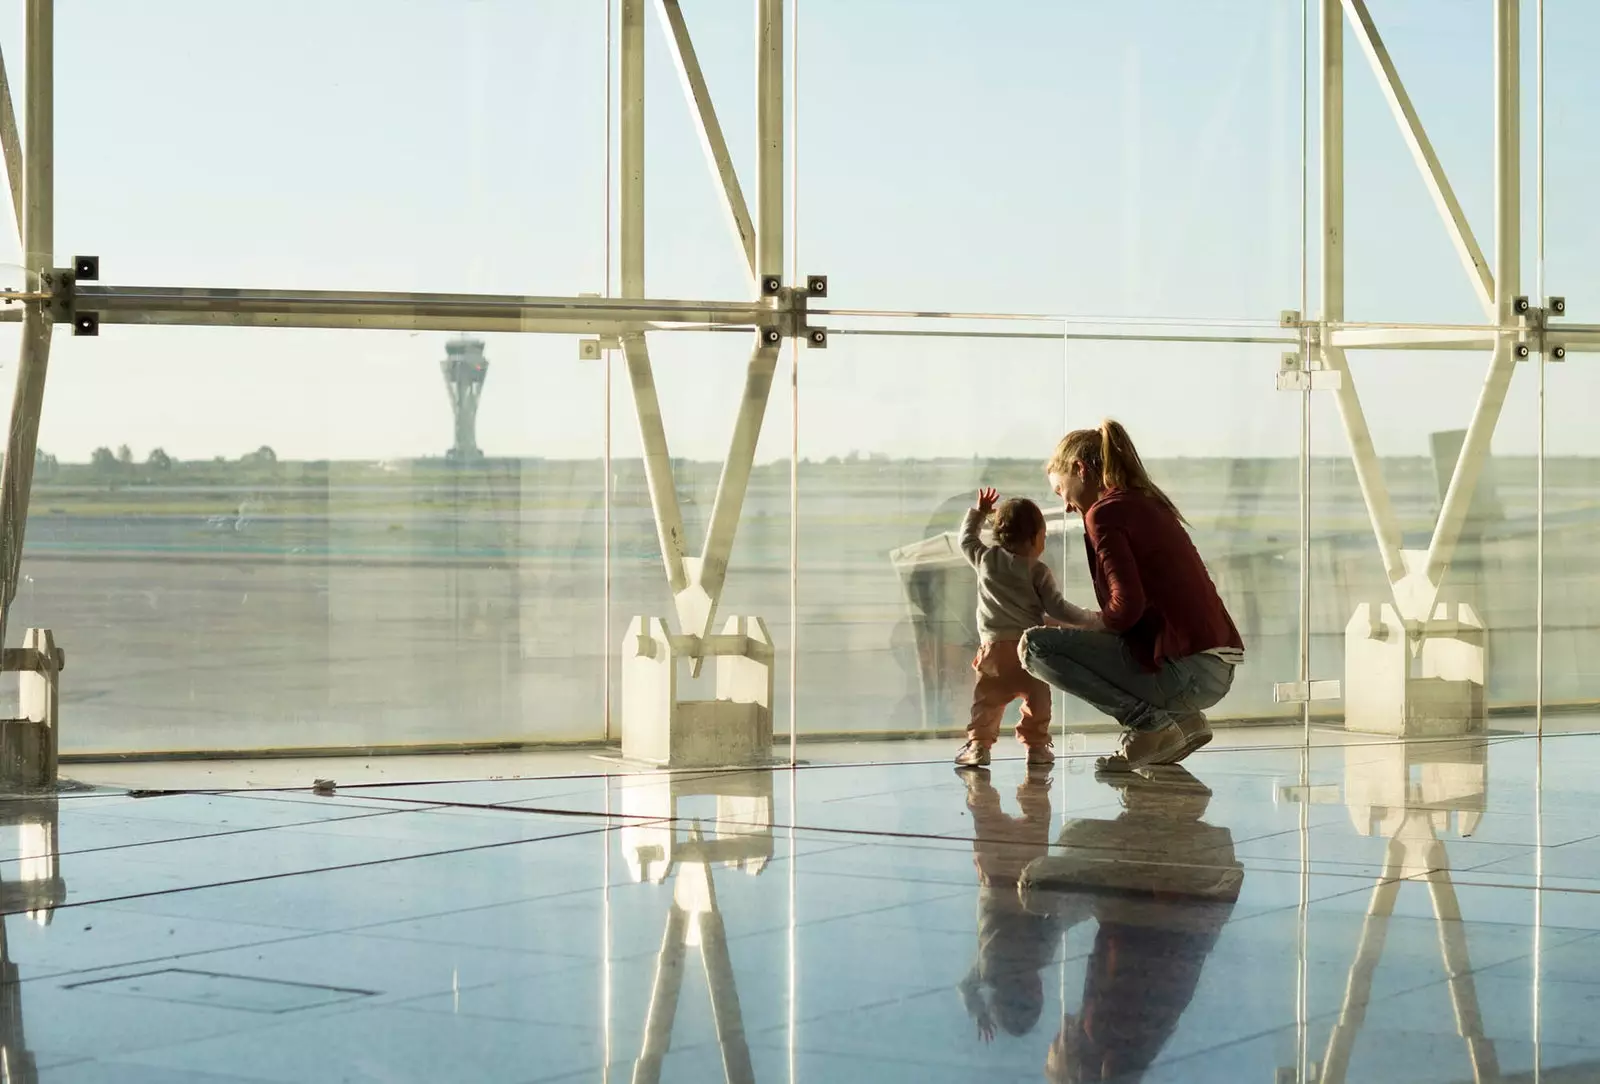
point(1039, 645)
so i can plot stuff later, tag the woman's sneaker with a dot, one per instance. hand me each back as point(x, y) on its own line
point(974, 754)
point(1141, 748)
point(1196, 732)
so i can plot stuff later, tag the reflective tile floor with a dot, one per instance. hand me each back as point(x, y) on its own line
point(1352, 912)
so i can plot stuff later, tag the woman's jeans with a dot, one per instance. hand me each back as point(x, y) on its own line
point(1098, 668)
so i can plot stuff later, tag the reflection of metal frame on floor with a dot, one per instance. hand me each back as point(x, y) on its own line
point(656, 847)
point(1410, 793)
point(38, 890)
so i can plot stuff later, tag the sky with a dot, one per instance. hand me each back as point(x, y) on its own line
point(1141, 159)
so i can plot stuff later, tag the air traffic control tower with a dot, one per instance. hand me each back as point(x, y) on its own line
point(464, 368)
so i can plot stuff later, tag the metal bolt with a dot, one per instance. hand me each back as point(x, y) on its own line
point(1522, 350)
point(1559, 353)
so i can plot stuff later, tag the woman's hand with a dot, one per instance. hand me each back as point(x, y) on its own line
point(987, 497)
point(1092, 621)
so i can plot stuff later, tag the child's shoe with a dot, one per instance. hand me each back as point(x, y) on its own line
point(974, 754)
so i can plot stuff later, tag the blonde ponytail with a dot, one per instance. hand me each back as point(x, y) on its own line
point(1109, 454)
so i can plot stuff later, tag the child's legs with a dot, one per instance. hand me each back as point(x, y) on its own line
point(993, 691)
point(1034, 726)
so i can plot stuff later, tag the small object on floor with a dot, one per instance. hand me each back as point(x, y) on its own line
point(323, 786)
point(1141, 748)
point(974, 754)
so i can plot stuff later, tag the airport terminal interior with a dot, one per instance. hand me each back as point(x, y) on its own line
point(481, 590)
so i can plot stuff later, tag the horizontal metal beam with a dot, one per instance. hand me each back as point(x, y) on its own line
point(1401, 338)
point(408, 311)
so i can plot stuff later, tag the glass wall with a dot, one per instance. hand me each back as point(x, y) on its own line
point(258, 538)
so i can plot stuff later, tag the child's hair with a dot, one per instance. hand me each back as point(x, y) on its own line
point(1018, 1001)
point(1017, 522)
point(1109, 453)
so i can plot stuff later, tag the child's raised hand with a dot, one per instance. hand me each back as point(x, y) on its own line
point(987, 497)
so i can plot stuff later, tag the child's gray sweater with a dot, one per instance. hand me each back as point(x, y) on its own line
point(1014, 593)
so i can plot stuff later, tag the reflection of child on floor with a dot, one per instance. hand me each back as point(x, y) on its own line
point(1016, 592)
point(1004, 987)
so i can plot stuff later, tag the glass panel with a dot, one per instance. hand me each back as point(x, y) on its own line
point(1572, 153)
point(1401, 264)
point(255, 540)
point(1417, 405)
point(896, 436)
point(1223, 443)
point(699, 380)
point(324, 147)
point(1133, 158)
point(1572, 532)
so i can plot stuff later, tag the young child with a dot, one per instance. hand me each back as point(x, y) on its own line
point(1016, 592)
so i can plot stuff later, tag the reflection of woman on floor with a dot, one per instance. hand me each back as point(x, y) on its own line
point(1160, 883)
point(1004, 987)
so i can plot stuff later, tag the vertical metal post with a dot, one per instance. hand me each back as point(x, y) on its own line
point(794, 407)
point(1539, 292)
point(1507, 285)
point(631, 148)
point(605, 455)
point(38, 243)
point(769, 137)
point(1537, 1007)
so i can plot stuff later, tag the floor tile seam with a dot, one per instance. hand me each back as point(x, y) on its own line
point(989, 1070)
point(1352, 837)
point(349, 788)
point(344, 866)
point(290, 937)
point(114, 970)
point(1558, 889)
point(197, 837)
point(1293, 909)
point(852, 916)
point(153, 1042)
point(1331, 745)
point(693, 773)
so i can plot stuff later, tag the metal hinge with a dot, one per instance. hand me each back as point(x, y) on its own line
point(1294, 376)
point(1300, 692)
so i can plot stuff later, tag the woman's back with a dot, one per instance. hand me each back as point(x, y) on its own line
point(1151, 584)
